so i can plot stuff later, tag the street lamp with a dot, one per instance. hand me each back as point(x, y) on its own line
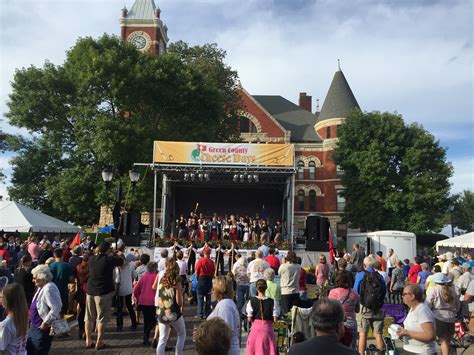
point(451, 209)
point(107, 175)
point(134, 176)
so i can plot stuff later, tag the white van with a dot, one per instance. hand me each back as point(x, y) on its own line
point(402, 243)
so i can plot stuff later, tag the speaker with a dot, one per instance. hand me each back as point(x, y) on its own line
point(313, 227)
point(324, 229)
point(316, 245)
point(131, 240)
point(134, 220)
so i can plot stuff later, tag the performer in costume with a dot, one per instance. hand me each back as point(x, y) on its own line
point(232, 253)
point(255, 230)
point(225, 229)
point(191, 257)
point(277, 231)
point(205, 229)
point(219, 260)
point(215, 229)
point(233, 232)
point(194, 229)
point(182, 228)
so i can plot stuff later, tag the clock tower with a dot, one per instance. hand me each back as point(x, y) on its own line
point(143, 27)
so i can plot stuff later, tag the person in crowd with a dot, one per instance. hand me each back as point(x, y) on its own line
point(44, 310)
point(322, 271)
point(162, 262)
point(289, 273)
point(226, 309)
point(358, 256)
point(384, 275)
point(264, 248)
point(14, 327)
point(56, 242)
point(76, 257)
point(302, 281)
point(24, 277)
point(242, 280)
point(207, 333)
point(444, 304)
point(441, 260)
point(371, 313)
point(418, 330)
point(272, 260)
point(381, 260)
point(183, 271)
point(22, 252)
point(397, 283)
point(455, 271)
point(429, 283)
point(100, 290)
point(142, 269)
point(262, 312)
point(145, 296)
point(231, 256)
point(255, 270)
point(170, 308)
point(62, 276)
point(422, 276)
point(463, 282)
point(4, 254)
point(82, 275)
point(328, 320)
point(447, 264)
point(469, 298)
point(205, 271)
point(125, 274)
point(349, 299)
point(392, 261)
point(273, 289)
point(46, 253)
point(219, 260)
point(406, 266)
point(414, 270)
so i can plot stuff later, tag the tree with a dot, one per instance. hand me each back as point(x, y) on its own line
point(463, 213)
point(104, 106)
point(395, 176)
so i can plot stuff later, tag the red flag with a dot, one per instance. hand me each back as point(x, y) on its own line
point(331, 247)
point(75, 241)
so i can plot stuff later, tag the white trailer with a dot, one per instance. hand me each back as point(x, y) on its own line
point(403, 243)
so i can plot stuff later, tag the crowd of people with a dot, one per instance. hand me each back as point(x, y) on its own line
point(42, 281)
point(232, 227)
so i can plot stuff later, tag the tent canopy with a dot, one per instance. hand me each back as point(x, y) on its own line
point(462, 241)
point(15, 216)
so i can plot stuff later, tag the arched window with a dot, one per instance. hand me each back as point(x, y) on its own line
point(312, 200)
point(300, 170)
point(312, 170)
point(246, 126)
point(301, 200)
point(340, 200)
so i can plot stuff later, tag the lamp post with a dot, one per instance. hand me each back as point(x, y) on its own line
point(451, 209)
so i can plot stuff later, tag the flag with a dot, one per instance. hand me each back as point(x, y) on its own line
point(331, 247)
point(75, 241)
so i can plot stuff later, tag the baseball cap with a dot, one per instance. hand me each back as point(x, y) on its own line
point(207, 251)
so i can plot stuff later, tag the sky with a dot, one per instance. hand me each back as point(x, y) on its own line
point(410, 57)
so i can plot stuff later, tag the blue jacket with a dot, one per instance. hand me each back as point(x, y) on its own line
point(360, 276)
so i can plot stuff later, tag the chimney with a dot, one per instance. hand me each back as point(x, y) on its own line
point(157, 12)
point(124, 11)
point(305, 101)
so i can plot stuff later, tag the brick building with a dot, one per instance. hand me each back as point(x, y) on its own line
point(275, 119)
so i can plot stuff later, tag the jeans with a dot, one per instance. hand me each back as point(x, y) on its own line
point(39, 342)
point(201, 311)
point(288, 301)
point(121, 302)
point(180, 328)
point(149, 319)
point(253, 289)
point(242, 295)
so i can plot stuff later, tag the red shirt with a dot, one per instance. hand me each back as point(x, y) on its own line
point(302, 283)
point(273, 261)
point(205, 267)
point(4, 255)
point(413, 273)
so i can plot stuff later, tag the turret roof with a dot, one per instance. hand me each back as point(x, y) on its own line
point(340, 100)
point(142, 10)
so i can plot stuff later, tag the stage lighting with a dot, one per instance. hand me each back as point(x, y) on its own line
point(200, 176)
point(255, 178)
point(249, 178)
point(206, 176)
point(192, 176)
point(236, 178)
point(242, 177)
point(186, 177)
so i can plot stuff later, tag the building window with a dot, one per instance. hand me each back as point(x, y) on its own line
point(341, 201)
point(301, 200)
point(312, 170)
point(328, 132)
point(246, 126)
point(312, 200)
point(338, 127)
point(339, 171)
point(300, 170)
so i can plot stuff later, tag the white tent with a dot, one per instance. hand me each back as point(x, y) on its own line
point(15, 216)
point(462, 241)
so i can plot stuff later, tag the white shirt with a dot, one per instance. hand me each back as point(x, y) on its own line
point(227, 310)
point(127, 274)
point(256, 269)
point(385, 276)
point(421, 314)
point(10, 344)
point(183, 267)
point(276, 308)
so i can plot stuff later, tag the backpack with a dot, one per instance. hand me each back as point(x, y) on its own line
point(371, 291)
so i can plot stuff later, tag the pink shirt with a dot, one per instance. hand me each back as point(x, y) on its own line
point(143, 292)
point(349, 300)
point(34, 250)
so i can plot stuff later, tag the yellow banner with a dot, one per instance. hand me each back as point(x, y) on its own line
point(223, 153)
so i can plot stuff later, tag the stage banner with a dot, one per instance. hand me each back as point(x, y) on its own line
point(223, 153)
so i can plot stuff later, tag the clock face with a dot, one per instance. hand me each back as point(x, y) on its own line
point(139, 42)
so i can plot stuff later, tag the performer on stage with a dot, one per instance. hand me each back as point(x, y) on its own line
point(192, 247)
point(215, 229)
point(182, 228)
point(265, 230)
point(225, 229)
point(255, 230)
point(219, 260)
point(205, 230)
point(233, 231)
point(194, 229)
point(232, 253)
point(277, 231)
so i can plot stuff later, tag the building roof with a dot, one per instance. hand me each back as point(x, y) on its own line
point(292, 117)
point(340, 100)
point(142, 10)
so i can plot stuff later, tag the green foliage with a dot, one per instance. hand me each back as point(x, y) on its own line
point(105, 106)
point(395, 176)
point(463, 213)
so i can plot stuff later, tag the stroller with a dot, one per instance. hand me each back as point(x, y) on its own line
point(461, 332)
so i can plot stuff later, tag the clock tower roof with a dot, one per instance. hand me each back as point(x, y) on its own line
point(142, 10)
